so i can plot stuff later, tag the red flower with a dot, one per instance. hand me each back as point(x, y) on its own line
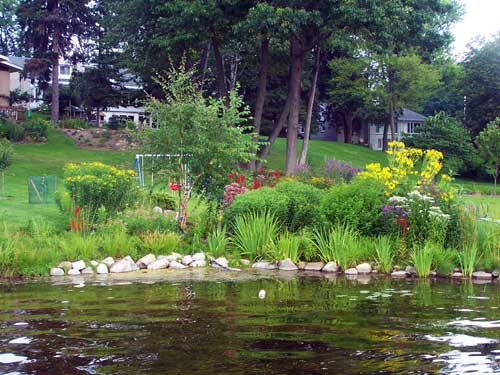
point(230, 176)
point(77, 211)
point(240, 179)
point(403, 223)
point(174, 186)
point(262, 170)
point(256, 183)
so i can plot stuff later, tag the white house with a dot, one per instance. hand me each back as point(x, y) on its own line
point(371, 135)
point(128, 112)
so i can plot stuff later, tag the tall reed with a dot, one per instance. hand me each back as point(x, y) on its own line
point(340, 244)
point(384, 254)
point(422, 259)
point(253, 232)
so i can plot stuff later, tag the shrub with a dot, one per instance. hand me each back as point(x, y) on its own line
point(217, 242)
point(92, 185)
point(115, 123)
point(254, 232)
point(294, 204)
point(384, 253)
point(422, 259)
point(468, 258)
point(163, 199)
point(339, 171)
point(12, 131)
point(74, 123)
point(357, 205)
point(444, 260)
point(37, 128)
point(160, 243)
point(141, 222)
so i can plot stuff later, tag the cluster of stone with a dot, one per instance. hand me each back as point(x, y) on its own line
point(127, 264)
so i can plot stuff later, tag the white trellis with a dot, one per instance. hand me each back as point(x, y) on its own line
point(139, 165)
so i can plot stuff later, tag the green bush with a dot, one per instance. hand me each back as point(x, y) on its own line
point(74, 123)
point(140, 223)
point(12, 131)
point(37, 128)
point(95, 185)
point(358, 205)
point(163, 199)
point(294, 204)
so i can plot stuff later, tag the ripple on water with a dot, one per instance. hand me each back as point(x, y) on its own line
point(460, 340)
point(476, 323)
point(470, 363)
point(21, 340)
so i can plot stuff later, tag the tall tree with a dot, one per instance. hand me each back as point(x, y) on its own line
point(481, 85)
point(488, 142)
point(9, 28)
point(49, 29)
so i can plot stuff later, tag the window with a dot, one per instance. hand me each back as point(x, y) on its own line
point(411, 126)
point(378, 129)
point(65, 70)
point(379, 143)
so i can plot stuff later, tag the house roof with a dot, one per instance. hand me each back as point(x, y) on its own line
point(409, 115)
point(5, 61)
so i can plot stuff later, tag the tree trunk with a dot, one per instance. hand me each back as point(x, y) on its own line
point(310, 106)
point(98, 118)
point(348, 119)
point(275, 133)
point(384, 137)
point(219, 66)
point(392, 104)
point(297, 61)
point(54, 114)
point(202, 69)
point(261, 96)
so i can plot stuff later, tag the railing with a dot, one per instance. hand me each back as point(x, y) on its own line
point(14, 113)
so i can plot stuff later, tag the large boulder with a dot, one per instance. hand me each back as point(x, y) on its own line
point(198, 256)
point(314, 266)
point(174, 256)
point(187, 260)
point(330, 267)
point(88, 271)
point(78, 265)
point(287, 265)
point(198, 263)
point(220, 262)
point(102, 269)
point(158, 264)
point(126, 264)
point(480, 275)
point(364, 268)
point(145, 261)
point(351, 271)
point(108, 261)
point(176, 265)
point(73, 272)
point(264, 266)
point(57, 271)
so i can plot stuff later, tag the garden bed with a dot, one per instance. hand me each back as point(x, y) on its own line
point(102, 139)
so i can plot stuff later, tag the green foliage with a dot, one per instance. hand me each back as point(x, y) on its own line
point(141, 222)
point(446, 134)
point(384, 253)
point(209, 136)
point(340, 244)
point(488, 143)
point(482, 79)
point(92, 185)
point(422, 259)
point(12, 131)
point(287, 245)
point(254, 232)
point(6, 154)
point(74, 123)
point(444, 260)
point(160, 243)
point(357, 205)
point(163, 199)
point(469, 258)
point(113, 239)
point(217, 242)
point(37, 128)
point(294, 204)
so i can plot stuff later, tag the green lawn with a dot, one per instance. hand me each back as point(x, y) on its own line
point(48, 159)
point(45, 159)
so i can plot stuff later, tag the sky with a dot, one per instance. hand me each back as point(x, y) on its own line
point(482, 17)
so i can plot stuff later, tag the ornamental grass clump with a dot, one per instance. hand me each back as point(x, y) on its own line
point(287, 245)
point(384, 253)
point(217, 241)
point(422, 259)
point(254, 232)
point(340, 244)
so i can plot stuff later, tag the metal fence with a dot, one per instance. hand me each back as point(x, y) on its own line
point(42, 189)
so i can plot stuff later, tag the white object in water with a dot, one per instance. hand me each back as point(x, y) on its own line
point(262, 294)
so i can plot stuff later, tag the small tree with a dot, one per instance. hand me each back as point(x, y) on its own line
point(208, 138)
point(488, 142)
point(6, 154)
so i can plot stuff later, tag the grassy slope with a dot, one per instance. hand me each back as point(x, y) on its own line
point(45, 159)
point(48, 159)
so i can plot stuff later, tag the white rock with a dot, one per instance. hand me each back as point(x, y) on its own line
point(330, 267)
point(398, 274)
point(457, 275)
point(87, 271)
point(158, 264)
point(222, 261)
point(126, 264)
point(262, 294)
point(108, 261)
point(351, 271)
point(145, 261)
point(245, 262)
point(187, 260)
point(158, 210)
point(411, 270)
point(264, 265)
point(287, 265)
point(94, 263)
point(364, 268)
point(198, 256)
point(65, 265)
point(56, 272)
point(161, 257)
point(78, 265)
point(174, 256)
point(482, 275)
point(176, 265)
point(314, 266)
point(102, 269)
point(73, 272)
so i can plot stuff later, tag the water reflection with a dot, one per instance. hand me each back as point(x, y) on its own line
point(304, 325)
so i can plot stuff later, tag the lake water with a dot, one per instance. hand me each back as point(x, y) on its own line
point(213, 322)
